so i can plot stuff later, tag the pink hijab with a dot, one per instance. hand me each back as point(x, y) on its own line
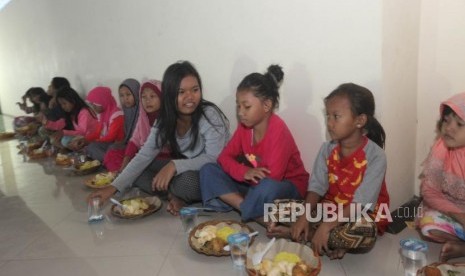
point(444, 169)
point(142, 130)
point(102, 96)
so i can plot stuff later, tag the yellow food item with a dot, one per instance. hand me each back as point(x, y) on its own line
point(61, 157)
point(103, 179)
point(38, 151)
point(282, 265)
point(224, 232)
point(89, 164)
point(134, 206)
point(286, 256)
point(207, 234)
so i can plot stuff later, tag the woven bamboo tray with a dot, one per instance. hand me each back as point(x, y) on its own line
point(154, 203)
point(241, 227)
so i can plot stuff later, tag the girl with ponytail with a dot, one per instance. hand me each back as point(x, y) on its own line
point(349, 170)
point(261, 163)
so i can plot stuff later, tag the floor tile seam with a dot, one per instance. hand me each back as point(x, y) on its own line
point(171, 248)
point(341, 265)
point(77, 257)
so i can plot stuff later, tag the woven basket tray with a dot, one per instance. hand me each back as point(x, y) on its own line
point(36, 156)
point(90, 170)
point(64, 162)
point(208, 251)
point(91, 182)
point(154, 203)
point(7, 135)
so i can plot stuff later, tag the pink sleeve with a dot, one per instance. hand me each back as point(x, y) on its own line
point(80, 129)
point(227, 158)
point(55, 125)
point(435, 199)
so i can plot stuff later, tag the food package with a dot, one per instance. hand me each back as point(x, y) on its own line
point(284, 258)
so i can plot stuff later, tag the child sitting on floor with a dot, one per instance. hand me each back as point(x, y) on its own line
point(443, 182)
point(149, 102)
point(349, 169)
point(261, 163)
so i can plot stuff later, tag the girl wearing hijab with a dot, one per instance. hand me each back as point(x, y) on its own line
point(149, 105)
point(443, 182)
point(111, 122)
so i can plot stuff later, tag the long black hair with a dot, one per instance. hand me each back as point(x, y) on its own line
point(43, 97)
point(362, 102)
point(264, 86)
point(167, 121)
point(69, 94)
point(60, 82)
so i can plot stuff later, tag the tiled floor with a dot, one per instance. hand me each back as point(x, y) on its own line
point(44, 231)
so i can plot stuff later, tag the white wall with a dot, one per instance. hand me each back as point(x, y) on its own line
point(441, 66)
point(399, 94)
point(320, 44)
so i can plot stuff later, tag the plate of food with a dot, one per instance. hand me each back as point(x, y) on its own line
point(23, 130)
point(29, 146)
point(285, 258)
point(100, 180)
point(211, 237)
point(137, 207)
point(6, 135)
point(63, 160)
point(86, 167)
point(37, 153)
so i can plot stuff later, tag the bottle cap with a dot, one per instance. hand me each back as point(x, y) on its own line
point(185, 211)
point(238, 238)
point(414, 245)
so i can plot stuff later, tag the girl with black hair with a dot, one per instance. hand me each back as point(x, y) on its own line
point(261, 163)
point(348, 174)
point(189, 133)
point(77, 113)
point(40, 100)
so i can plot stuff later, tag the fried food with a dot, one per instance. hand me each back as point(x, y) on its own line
point(218, 244)
point(135, 206)
point(284, 264)
point(103, 179)
point(89, 164)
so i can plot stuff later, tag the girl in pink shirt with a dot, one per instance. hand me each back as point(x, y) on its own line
point(77, 113)
point(261, 162)
point(443, 182)
point(111, 123)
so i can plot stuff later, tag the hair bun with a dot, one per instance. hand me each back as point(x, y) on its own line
point(275, 73)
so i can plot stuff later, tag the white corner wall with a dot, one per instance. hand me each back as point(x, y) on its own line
point(401, 23)
point(319, 43)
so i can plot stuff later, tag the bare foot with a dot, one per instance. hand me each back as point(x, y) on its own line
point(278, 231)
point(337, 254)
point(174, 205)
point(452, 249)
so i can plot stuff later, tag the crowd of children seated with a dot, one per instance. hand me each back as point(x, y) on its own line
point(165, 138)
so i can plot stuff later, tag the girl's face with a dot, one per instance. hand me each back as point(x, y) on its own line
point(51, 90)
point(341, 123)
point(66, 105)
point(189, 95)
point(97, 108)
point(150, 100)
point(453, 131)
point(126, 98)
point(251, 110)
point(35, 99)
